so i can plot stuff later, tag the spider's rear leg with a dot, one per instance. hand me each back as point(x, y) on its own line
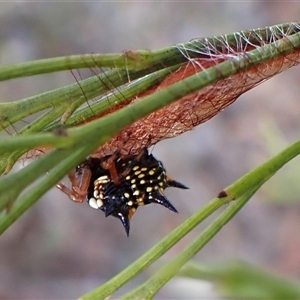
point(110, 165)
point(80, 180)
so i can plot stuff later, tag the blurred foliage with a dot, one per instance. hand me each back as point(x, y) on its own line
point(237, 280)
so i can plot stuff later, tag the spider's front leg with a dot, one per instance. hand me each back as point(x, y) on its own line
point(80, 179)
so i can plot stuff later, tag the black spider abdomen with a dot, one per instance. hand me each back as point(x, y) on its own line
point(142, 181)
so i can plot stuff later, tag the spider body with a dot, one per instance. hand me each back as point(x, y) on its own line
point(141, 180)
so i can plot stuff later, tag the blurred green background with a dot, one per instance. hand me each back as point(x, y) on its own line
point(61, 250)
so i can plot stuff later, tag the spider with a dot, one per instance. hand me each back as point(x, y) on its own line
point(119, 185)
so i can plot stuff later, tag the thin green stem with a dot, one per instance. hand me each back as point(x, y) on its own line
point(141, 59)
point(55, 173)
point(246, 188)
point(170, 269)
point(155, 252)
point(264, 172)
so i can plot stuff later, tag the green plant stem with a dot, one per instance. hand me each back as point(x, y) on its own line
point(119, 96)
point(264, 172)
point(141, 59)
point(170, 269)
point(155, 252)
point(14, 184)
point(36, 192)
point(92, 87)
point(193, 83)
point(246, 188)
point(56, 164)
point(35, 140)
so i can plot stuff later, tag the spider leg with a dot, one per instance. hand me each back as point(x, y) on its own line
point(80, 184)
point(110, 165)
point(131, 163)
